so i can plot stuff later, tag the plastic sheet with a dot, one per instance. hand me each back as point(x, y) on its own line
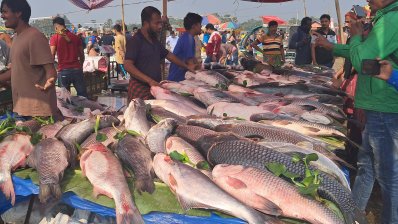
point(24, 189)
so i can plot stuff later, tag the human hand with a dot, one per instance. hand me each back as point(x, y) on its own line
point(213, 58)
point(49, 84)
point(191, 67)
point(385, 70)
point(323, 42)
point(356, 27)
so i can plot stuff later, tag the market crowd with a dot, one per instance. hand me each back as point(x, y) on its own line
point(28, 67)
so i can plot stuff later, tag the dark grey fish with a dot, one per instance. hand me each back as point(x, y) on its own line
point(297, 89)
point(33, 125)
point(159, 113)
point(83, 102)
point(209, 97)
point(49, 131)
point(247, 153)
point(137, 157)
point(158, 134)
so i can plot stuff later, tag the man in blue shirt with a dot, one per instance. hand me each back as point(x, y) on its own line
point(185, 48)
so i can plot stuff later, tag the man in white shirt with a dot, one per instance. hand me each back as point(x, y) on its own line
point(171, 41)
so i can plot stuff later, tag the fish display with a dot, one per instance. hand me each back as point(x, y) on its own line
point(50, 159)
point(196, 190)
point(109, 132)
point(108, 179)
point(135, 117)
point(263, 191)
point(210, 77)
point(209, 97)
point(157, 135)
point(51, 130)
point(159, 113)
point(174, 107)
point(137, 157)
point(13, 153)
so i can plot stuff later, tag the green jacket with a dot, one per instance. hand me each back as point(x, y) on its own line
point(372, 93)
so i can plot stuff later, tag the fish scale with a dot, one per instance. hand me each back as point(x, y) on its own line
point(247, 153)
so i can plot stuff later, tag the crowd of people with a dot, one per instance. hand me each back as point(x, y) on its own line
point(372, 100)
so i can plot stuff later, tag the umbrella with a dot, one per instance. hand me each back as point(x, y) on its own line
point(210, 19)
point(229, 25)
point(267, 19)
point(90, 4)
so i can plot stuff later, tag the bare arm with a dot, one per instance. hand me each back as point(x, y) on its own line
point(313, 54)
point(51, 75)
point(174, 59)
point(283, 53)
point(137, 74)
point(53, 51)
point(255, 45)
point(81, 56)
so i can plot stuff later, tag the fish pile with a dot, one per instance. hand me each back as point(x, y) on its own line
point(214, 139)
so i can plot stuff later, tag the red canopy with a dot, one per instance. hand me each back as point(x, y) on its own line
point(267, 19)
point(90, 4)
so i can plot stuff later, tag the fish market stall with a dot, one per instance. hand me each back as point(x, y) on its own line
point(256, 144)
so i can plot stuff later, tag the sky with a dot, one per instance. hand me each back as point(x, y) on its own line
point(179, 8)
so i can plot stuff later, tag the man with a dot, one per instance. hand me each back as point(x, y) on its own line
point(32, 70)
point(213, 45)
point(107, 39)
point(186, 46)
point(5, 74)
point(301, 41)
point(144, 54)
point(171, 41)
point(135, 30)
point(321, 56)
point(379, 157)
point(68, 47)
point(120, 48)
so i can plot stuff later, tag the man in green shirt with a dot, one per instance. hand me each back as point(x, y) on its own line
point(379, 157)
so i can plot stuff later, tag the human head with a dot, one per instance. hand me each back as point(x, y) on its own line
point(376, 5)
point(272, 27)
point(59, 24)
point(117, 28)
point(325, 21)
point(14, 12)
point(210, 28)
point(306, 23)
point(348, 17)
point(95, 33)
point(135, 29)
point(193, 23)
point(151, 20)
point(172, 33)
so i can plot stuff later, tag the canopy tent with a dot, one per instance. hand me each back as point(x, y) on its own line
point(267, 19)
point(90, 4)
point(210, 19)
point(228, 25)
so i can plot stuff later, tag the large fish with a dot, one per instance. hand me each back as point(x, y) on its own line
point(212, 78)
point(314, 106)
point(157, 136)
point(51, 130)
point(192, 134)
point(323, 163)
point(73, 134)
point(276, 134)
point(241, 89)
point(50, 159)
point(196, 190)
point(33, 125)
point(137, 157)
point(159, 113)
point(247, 153)
point(105, 173)
point(109, 132)
point(135, 117)
point(260, 189)
point(209, 97)
point(174, 107)
point(297, 89)
point(224, 109)
point(163, 94)
point(13, 152)
point(178, 87)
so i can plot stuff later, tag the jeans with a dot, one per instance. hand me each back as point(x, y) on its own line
point(123, 71)
point(379, 160)
point(67, 77)
point(208, 60)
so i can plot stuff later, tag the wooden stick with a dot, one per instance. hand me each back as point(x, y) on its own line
point(123, 24)
point(163, 41)
point(305, 8)
point(339, 20)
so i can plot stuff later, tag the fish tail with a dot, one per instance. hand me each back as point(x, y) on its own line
point(145, 185)
point(7, 187)
point(127, 213)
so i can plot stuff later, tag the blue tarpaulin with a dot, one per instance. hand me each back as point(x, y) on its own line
point(24, 189)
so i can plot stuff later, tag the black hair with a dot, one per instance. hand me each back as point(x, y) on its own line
point(118, 28)
point(272, 23)
point(58, 20)
point(135, 28)
point(21, 6)
point(210, 27)
point(305, 20)
point(325, 16)
point(192, 19)
point(147, 12)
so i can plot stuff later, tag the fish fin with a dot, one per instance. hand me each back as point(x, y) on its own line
point(127, 213)
point(145, 185)
point(311, 129)
point(283, 122)
point(224, 127)
point(31, 161)
point(266, 206)
point(98, 191)
point(7, 188)
point(235, 183)
point(83, 160)
point(305, 145)
point(72, 153)
point(187, 204)
point(173, 182)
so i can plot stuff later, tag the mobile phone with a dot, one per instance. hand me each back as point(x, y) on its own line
point(359, 11)
point(371, 67)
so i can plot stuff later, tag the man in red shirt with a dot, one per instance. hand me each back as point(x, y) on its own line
point(214, 44)
point(68, 47)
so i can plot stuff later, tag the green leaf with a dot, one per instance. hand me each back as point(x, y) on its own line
point(133, 133)
point(78, 146)
point(309, 190)
point(203, 165)
point(308, 181)
point(311, 158)
point(276, 168)
point(79, 109)
point(120, 135)
point(177, 156)
point(36, 138)
point(290, 175)
point(296, 158)
point(97, 124)
point(156, 118)
point(101, 137)
point(244, 83)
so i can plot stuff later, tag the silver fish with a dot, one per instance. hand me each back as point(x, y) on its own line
point(156, 137)
point(135, 117)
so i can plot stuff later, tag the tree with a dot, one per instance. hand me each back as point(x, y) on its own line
point(108, 24)
point(251, 24)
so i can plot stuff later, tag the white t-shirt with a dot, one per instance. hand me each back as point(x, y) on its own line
point(171, 43)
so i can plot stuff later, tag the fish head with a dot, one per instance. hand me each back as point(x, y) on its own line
point(134, 106)
point(157, 90)
point(207, 141)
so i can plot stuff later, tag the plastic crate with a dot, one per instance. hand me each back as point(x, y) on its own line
point(5, 101)
point(95, 83)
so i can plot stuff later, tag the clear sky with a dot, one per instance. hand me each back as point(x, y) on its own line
point(178, 8)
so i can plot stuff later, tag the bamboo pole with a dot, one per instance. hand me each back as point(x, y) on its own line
point(305, 8)
point(339, 19)
point(163, 40)
point(123, 23)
